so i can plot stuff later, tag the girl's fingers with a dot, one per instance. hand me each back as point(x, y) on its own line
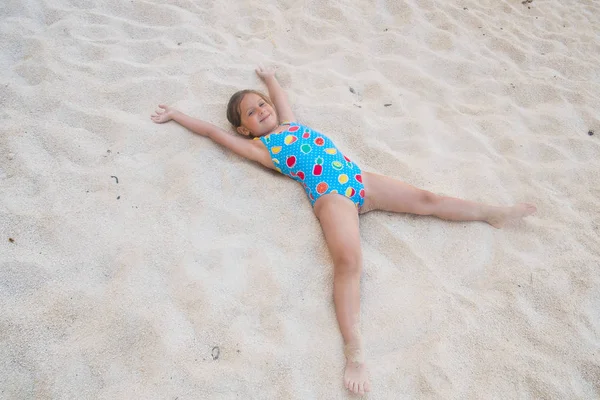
point(261, 70)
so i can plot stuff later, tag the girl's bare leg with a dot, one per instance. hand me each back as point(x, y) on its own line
point(388, 194)
point(339, 221)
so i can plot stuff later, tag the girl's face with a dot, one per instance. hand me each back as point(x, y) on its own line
point(258, 117)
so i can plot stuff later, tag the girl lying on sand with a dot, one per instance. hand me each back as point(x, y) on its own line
point(337, 189)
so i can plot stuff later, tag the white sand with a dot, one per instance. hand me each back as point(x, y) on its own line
point(107, 298)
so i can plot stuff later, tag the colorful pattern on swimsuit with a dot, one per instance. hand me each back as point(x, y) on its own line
point(312, 159)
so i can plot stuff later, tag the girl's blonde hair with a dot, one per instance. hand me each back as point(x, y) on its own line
point(234, 114)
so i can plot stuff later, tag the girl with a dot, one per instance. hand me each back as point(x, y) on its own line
point(337, 189)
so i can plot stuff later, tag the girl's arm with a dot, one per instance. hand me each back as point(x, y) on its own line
point(277, 95)
point(250, 149)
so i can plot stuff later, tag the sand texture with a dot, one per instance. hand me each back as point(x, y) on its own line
point(201, 275)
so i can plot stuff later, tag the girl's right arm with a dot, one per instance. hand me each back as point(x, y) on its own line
point(251, 149)
point(277, 94)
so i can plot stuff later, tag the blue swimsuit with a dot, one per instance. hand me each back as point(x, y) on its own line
point(312, 159)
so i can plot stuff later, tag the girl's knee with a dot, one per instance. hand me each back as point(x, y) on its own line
point(348, 264)
point(427, 197)
point(427, 202)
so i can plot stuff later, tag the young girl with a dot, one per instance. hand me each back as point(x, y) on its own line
point(337, 189)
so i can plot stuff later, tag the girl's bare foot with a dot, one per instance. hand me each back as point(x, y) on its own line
point(501, 215)
point(356, 376)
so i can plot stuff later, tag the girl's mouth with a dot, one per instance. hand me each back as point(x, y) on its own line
point(265, 118)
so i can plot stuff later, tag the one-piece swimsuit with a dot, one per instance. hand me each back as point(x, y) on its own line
point(312, 159)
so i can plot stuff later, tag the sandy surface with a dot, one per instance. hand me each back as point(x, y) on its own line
point(200, 275)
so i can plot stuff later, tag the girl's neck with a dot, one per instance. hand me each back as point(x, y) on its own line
point(280, 128)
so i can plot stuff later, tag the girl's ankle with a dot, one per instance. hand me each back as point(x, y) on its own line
point(354, 352)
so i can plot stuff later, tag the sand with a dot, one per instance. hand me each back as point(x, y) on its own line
point(200, 275)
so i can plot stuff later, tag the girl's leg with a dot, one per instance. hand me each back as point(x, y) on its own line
point(388, 194)
point(339, 221)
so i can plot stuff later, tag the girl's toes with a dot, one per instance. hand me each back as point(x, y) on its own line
point(361, 389)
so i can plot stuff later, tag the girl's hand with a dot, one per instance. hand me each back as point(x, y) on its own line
point(163, 114)
point(264, 73)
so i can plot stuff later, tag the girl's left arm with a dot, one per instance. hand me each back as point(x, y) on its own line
point(277, 95)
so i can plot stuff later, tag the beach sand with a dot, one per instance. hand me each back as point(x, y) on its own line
point(200, 275)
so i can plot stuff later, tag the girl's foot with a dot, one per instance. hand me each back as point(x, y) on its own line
point(502, 215)
point(356, 377)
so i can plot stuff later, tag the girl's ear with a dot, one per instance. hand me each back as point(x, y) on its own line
point(242, 130)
